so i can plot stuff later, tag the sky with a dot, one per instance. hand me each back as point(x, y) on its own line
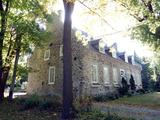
point(112, 26)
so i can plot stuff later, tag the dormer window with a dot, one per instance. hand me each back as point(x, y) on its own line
point(46, 54)
point(102, 47)
point(113, 50)
point(102, 50)
point(126, 57)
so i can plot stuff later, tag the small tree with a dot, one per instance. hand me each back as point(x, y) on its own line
point(132, 83)
point(147, 73)
point(157, 84)
point(124, 89)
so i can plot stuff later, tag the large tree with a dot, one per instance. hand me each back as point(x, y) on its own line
point(147, 14)
point(67, 61)
point(24, 38)
point(17, 17)
point(67, 51)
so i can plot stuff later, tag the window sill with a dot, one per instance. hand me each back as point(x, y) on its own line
point(46, 59)
point(95, 84)
point(115, 84)
point(50, 83)
point(107, 84)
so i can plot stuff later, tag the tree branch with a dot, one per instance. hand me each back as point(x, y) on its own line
point(1, 6)
point(7, 6)
point(96, 14)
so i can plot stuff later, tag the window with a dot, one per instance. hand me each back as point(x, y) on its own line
point(61, 51)
point(122, 73)
point(102, 50)
point(114, 54)
point(106, 75)
point(138, 79)
point(115, 75)
point(94, 74)
point(101, 47)
point(128, 76)
point(47, 55)
point(51, 79)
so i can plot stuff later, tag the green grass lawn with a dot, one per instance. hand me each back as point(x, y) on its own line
point(151, 100)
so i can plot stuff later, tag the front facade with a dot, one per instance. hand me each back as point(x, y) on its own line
point(96, 69)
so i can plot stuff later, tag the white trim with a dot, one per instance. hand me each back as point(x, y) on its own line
point(122, 72)
point(96, 74)
point(106, 68)
point(49, 75)
point(45, 55)
point(115, 75)
point(101, 47)
point(61, 50)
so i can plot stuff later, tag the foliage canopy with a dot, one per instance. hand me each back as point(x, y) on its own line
point(147, 13)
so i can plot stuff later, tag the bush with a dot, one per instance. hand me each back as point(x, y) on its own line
point(97, 115)
point(83, 104)
point(41, 103)
point(132, 83)
point(30, 102)
point(141, 91)
point(103, 98)
point(100, 98)
point(124, 89)
point(92, 115)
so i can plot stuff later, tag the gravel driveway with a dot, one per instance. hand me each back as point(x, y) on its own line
point(139, 113)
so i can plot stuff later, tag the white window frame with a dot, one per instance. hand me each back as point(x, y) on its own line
point(101, 47)
point(96, 75)
point(61, 51)
point(106, 78)
point(128, 76)
point(115, 77)
point(122, 72)
point(49, 75)
point(45, 54)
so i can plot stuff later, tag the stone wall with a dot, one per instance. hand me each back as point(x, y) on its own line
point(83, 59)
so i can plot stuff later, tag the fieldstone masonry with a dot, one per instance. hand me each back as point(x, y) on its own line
point(83, 58)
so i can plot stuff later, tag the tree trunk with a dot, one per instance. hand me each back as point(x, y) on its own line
point(67, 62)
point(3, 22)
point(15, 67)
point(3, 81)
point(1, 57)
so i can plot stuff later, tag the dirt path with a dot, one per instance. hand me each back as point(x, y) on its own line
point(139, 113)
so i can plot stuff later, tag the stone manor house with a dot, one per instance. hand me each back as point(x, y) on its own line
point(97, 68)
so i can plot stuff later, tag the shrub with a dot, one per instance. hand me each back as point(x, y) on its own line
point(124, 89)
point(83, 104)
point(132, 83)
point(103, 98)
point(50, 103)
point(141, 91)
point(31, 102)
point(92, 115)
point(97, 115)
point(40, 102)
point(100, 98)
